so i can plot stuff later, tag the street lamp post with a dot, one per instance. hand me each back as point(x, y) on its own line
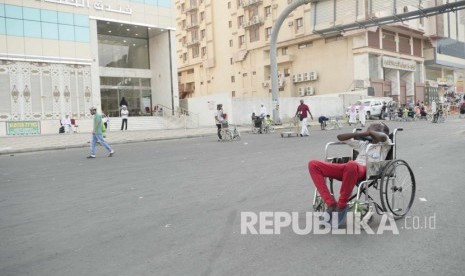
point(273, 62)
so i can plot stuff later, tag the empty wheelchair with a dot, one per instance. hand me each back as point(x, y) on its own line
point(389, 186)
point(229, 132)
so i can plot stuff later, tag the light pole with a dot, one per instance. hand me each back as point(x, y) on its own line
point(273, 62)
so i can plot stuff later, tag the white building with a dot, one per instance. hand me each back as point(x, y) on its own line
point(60, 57)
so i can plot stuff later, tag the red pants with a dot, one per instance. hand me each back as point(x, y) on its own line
point(349, 173)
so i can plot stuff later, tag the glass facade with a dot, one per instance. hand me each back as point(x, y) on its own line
point(123, 52)
point(161, 3)
point(122, 45)
point(46, 24)
point(136, 92)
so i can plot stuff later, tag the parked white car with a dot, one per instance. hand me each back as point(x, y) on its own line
point(373, 106)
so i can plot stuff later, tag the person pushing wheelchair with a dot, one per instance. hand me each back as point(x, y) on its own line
point(352, 172)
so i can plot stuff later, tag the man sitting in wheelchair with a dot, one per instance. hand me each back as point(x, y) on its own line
point(352, 172)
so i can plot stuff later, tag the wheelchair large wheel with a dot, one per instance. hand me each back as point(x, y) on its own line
point(397, 188)
point(236, 135)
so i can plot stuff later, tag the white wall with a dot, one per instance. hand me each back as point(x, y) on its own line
point(160, 68)
point(239, 110)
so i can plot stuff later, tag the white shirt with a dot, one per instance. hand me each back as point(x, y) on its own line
point(66, 121)
point(219, 116)
point(263, 111)
point(124, 113)
point(375, 154)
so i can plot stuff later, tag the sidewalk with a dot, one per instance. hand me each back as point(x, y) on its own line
point(22, 144)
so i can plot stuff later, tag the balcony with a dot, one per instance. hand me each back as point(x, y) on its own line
point(190, 9)
point(280, 59)
point(254, 21)
point(192, 43)
point(191, 26)
point(249, 3)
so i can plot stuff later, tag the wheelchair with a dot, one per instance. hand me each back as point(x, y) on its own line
point(229, 132)
point(393, 180)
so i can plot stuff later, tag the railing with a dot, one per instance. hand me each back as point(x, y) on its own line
point(188, 118)
point(191, 26)
point(255, 20)
point(192, 43)
point(248, 3)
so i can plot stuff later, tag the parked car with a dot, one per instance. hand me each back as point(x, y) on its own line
point(373, 106)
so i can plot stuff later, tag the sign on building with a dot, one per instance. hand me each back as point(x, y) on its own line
point(23, 127)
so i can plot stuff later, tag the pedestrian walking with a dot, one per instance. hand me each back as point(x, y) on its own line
point(97, 134)
point(302, 111)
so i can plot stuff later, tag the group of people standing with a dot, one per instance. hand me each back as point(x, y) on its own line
point(361, 115)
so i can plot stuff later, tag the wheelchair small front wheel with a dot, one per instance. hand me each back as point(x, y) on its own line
point(319, 204)
point(397, 188)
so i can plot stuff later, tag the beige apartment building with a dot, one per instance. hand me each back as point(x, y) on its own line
point(223, 47)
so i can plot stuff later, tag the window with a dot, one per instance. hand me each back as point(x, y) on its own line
point(233, 79)
point(204, 51)
point(230, 43)
point(229, 5)
point(194, 35)
point(14, 27)
point(195, 51)
point(230, 24)
point(299, 24)
point(32, 29)
point(240, 21)
point(305, 45)
point(267, 33)
point(287, 72)
point(267, 11)
point(134, 90)
point(241, 40)
point(202, 34)
point(233, 94)
point(202, 16)
point(118, 51)
point(47, 24)
point(253, 12)
point(184, 57)
point(66, 32)
point(254, 34)
point(284, 51)
point(194, 19)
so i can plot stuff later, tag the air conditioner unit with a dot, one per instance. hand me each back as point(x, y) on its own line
point(306, 76)
point(290, 23)
point(299, 77)
point(266, 84)
point(309, 91)
point(301, 91)
point(281, 82)
point(313, 76)
point(294, 78)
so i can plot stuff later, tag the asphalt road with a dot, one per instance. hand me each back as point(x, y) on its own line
point(174, 208)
